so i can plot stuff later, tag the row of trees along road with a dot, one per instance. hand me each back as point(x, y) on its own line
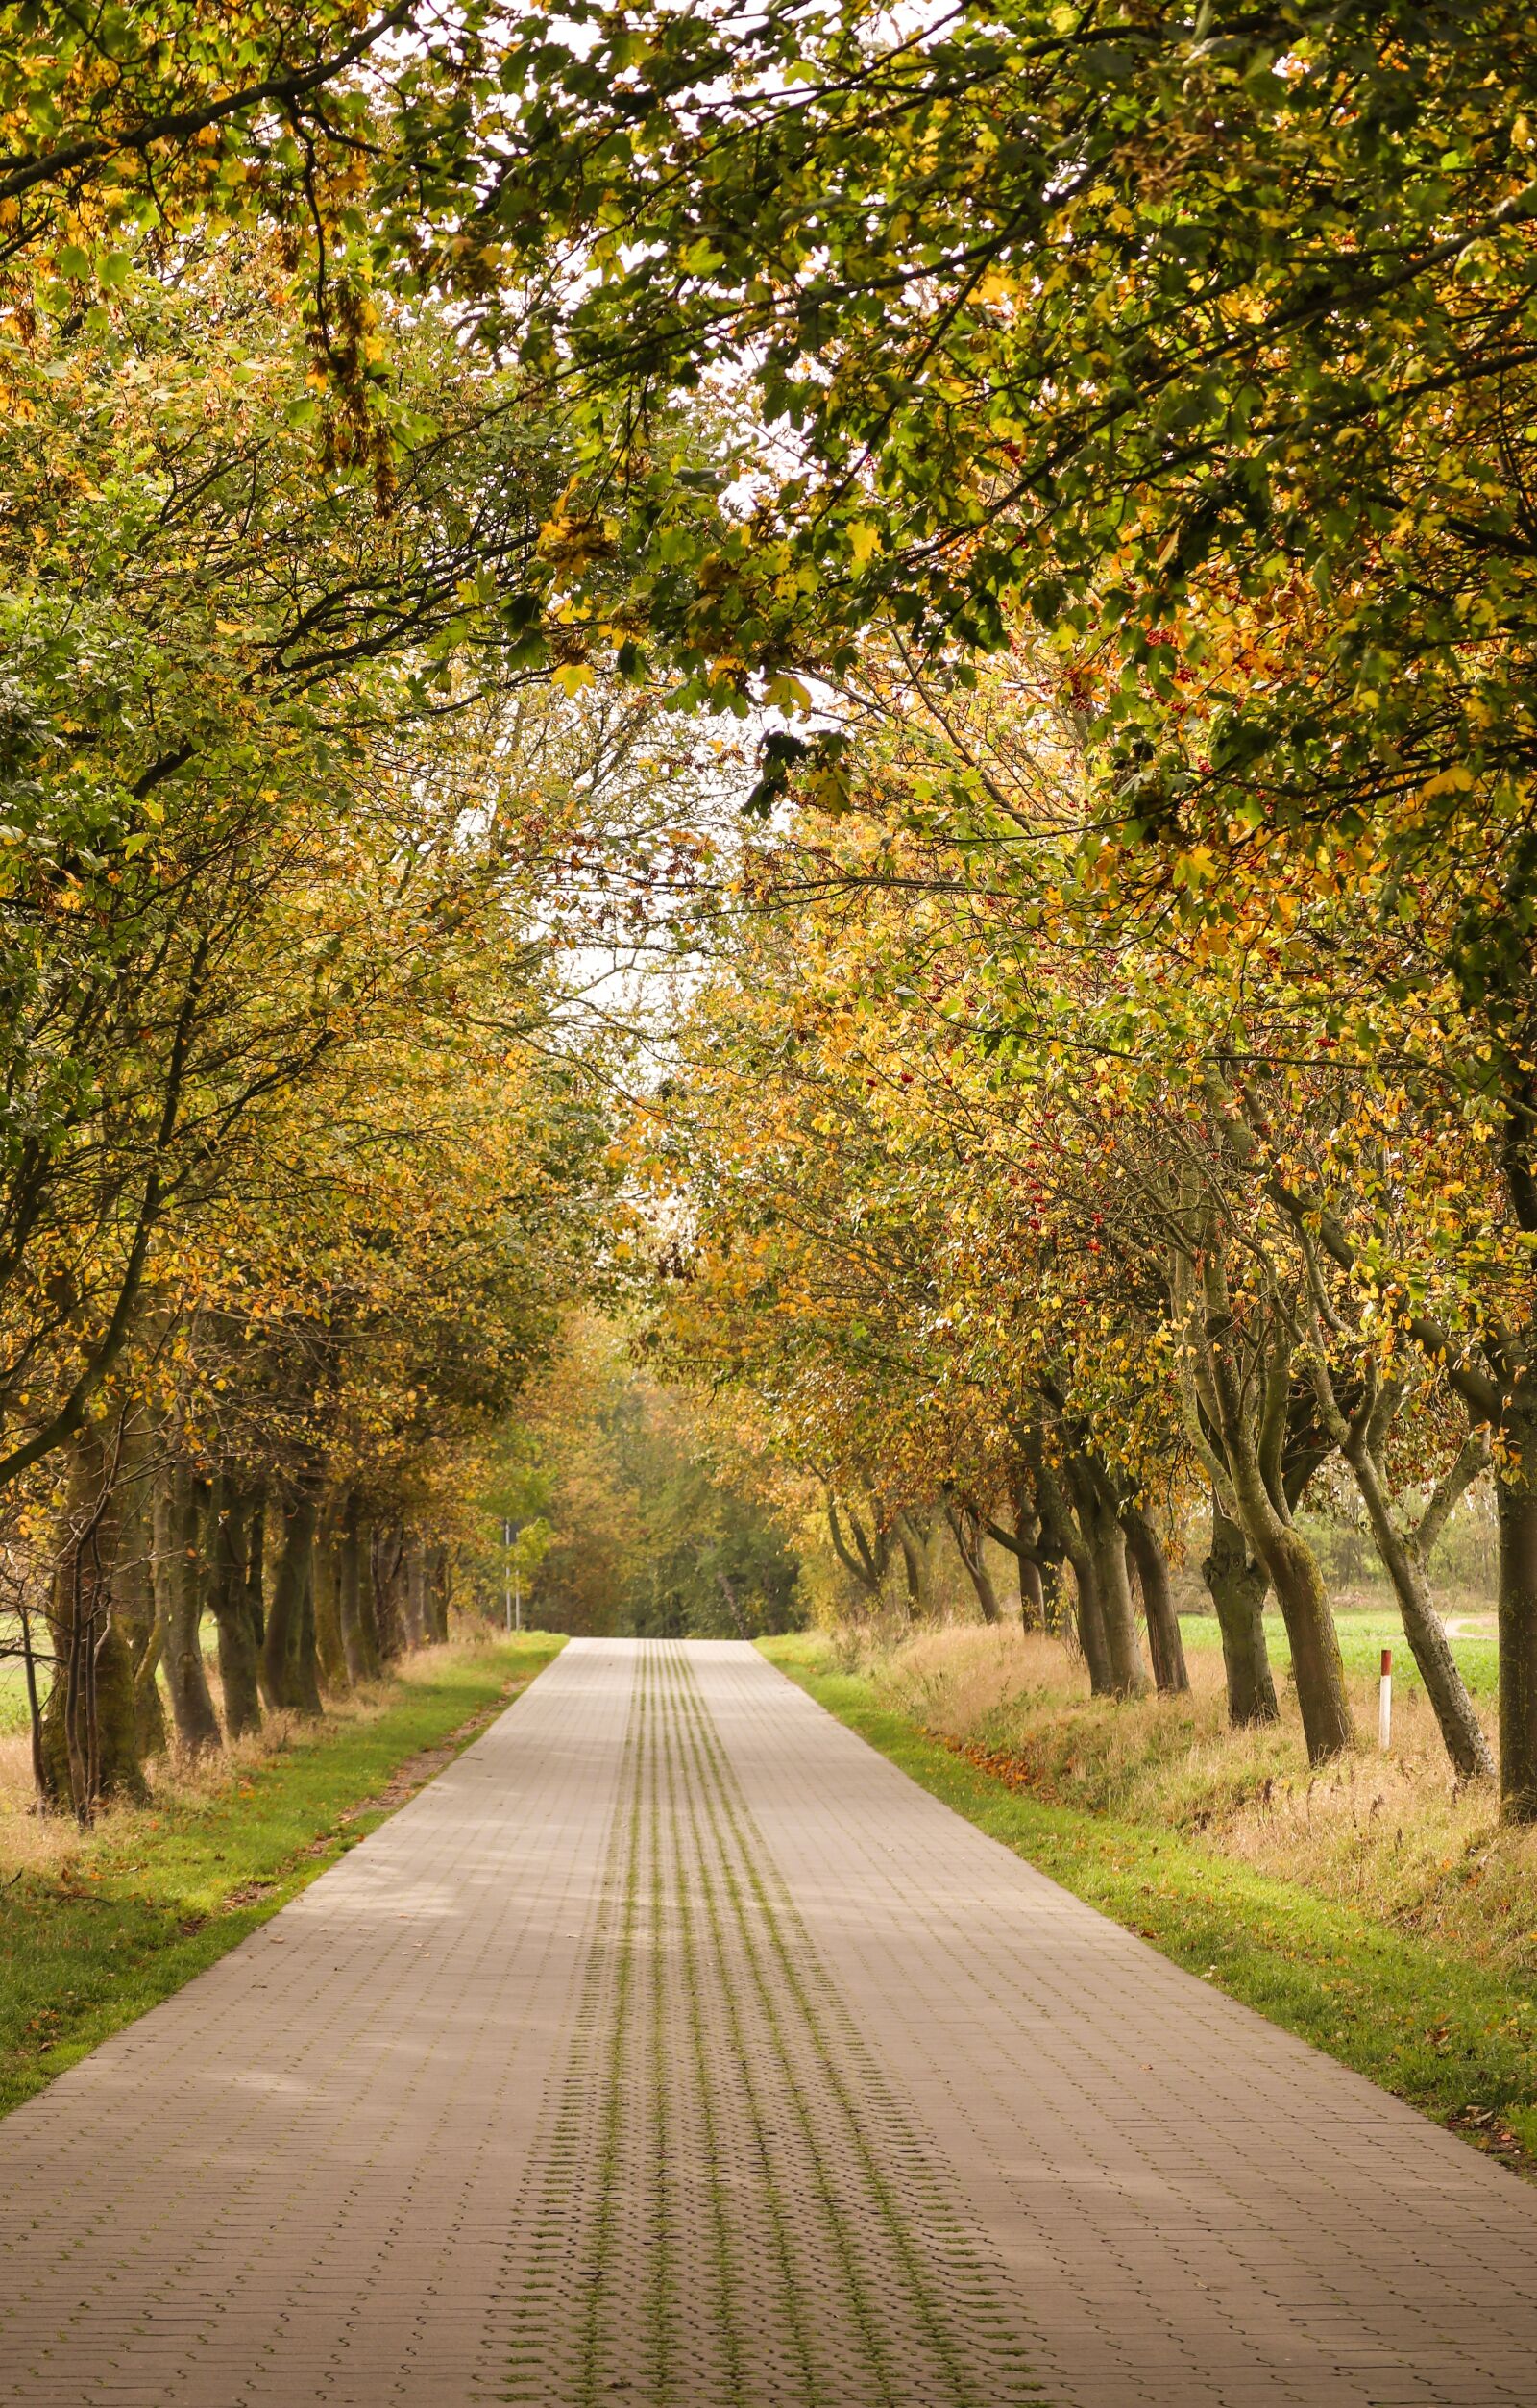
point(301, 1154)
point(1182, 358)
point(1027, 1199)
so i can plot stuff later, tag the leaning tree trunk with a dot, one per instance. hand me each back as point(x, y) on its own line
point(1516, 1506)
point(965, 1529)
point(1089, 1620)
point(1317, 1665)
point(1237, 1585)
point(1068, 1538)
point(1164, 1643)
point(225, 1554)
point(915, 1564)
point(179, 1608)
point(1422, 1627)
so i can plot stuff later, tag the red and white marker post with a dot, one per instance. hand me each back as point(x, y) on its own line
point(1384, 1701)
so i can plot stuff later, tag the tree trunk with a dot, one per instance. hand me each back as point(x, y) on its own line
point(1129, 1675)
point(1237, 1585)
point(414, 1585)
point(1516, 1505)
point(1460, 1727)
point(328, 1645)
point(1164, 1642)
point(87, 1735)
point(437, 1593)
point(1102, 1534)
point(1027, 1530)
point(915, 1564)
point(359, 1641)
point(306, 1658)
point(1053, 1606)
point(1069, 1546)
point(1317, 1666)
point(227, 1558)
point(133, 1590)
point(149, 1706)
point(179, 1608)
point(965, 1528)
point(1032, 1596)
point(1089, 1621)
point(283, 1647)
point(385, 1556)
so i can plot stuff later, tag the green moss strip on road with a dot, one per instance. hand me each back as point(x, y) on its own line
point(1455, 2041)
point(155, 1898)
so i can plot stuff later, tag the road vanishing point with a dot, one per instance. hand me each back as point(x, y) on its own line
point(672, 2046)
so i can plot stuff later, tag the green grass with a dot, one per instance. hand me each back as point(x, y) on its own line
point(13, 1693)
point(1453, 2039)
point(153, 1898)
point(1363, 1633)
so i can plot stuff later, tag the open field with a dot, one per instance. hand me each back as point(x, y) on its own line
point(1364, 1630)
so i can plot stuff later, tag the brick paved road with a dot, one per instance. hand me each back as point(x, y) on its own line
point(670, 2048)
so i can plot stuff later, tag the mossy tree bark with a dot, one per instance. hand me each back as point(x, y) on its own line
point(1238, 1584)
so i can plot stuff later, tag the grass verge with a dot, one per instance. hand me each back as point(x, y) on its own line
point(155, 1896)
point(1457, 2041)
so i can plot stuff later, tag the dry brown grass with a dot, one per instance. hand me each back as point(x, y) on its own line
point(1393, 1833)
point(48, 1843)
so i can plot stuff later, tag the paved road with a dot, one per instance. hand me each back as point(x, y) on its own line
point(673, 2048)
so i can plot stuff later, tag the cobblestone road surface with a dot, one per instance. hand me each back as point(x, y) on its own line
point(673, 2050)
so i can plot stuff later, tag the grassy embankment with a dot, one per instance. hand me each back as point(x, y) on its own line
point(1376, 1909)
point(94, 1928)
